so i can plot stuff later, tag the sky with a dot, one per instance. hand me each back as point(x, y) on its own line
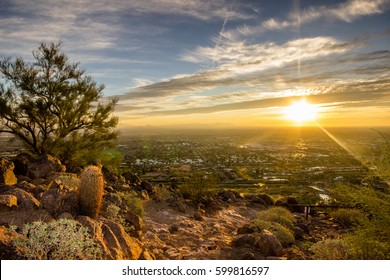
point(219, 63)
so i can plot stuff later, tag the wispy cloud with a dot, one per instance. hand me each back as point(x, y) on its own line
point(348, 12)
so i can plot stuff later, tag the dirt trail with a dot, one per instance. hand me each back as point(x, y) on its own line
point(171, 234)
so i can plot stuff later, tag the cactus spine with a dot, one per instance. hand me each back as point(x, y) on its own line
point(91, 191)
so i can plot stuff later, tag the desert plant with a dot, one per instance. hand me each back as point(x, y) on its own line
point(133, 202)
point(330, 249)
point(91, 191)
point(198, 185)
point(161, 193)
point(349, 217)
point(53, 107)
point(278, 215)
point(283, 234)
point(58, 240)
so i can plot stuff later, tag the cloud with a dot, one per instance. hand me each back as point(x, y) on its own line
point(239, 63)
point(348, 12)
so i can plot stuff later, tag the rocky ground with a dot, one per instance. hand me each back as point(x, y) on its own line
point(171, 228)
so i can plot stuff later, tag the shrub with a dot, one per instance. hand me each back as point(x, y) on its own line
point(58, 240)
point(284, 235)
point(197, 185)
point(330, 249)
point(349, 217)
point(161, 193)
point(278, 215)
point(368, 244)
point(91, 191)
point(133, 202)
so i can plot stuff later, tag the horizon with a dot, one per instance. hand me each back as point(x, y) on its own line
point(223, 63)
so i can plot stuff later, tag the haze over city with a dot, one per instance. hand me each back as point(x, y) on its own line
point(220, 63)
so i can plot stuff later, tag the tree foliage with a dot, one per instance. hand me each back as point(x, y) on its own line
point(53, 106)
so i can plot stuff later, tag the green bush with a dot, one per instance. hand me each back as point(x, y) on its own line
point(58, 240)
point(278, 215)
point(349, 217)
point(283, 234)
point(161, 193)
point(133, 202)
point(330, 249)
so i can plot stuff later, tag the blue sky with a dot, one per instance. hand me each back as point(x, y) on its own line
point(225, 62)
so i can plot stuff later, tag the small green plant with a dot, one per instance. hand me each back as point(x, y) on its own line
point(330, 249)
point(91, 191)
point(112, 213)
point(58, 240)
point(283, 234)
point(133, 202)
point(349, 217)
point(278, 215)
point(161, 193)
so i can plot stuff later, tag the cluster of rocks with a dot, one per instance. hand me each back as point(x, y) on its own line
point(41, 190)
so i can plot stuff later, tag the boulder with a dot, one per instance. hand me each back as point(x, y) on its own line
point(8, 202)
point(7, 249)
point(268, 244)
point(60, 200)
point(21, 162)
point(227, 196)
point(116, 244)
point(7, 176)
point(147, 187)
point(134, 220)
point(131, 178)
point(267, 199)
point(26, 201)
point(244, 240)
point(21, 217)
point(43, 167)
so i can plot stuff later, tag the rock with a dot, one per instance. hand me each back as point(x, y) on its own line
point(7, 249)
point(248, 256)
point(60, 200)
point(304, 227)
point(133, 220)
point(292, 200)
point(198, 216)
point(246, 229)
point(227, 196)
point(21, 162)
point(267, 199)
point(244, 240)
point(144, 195)
point(26, 201)
point(43, 167)
point(147, 187)
point(295, 254)
point(268, 244)
point(116, 244)
point(298, 233)
point(173, 229)
point(65, 215)
point(7, 176)
point(131, 178)
point(130, 247)
point(181, 206)
point(8, 202)
point(293, 205)
point(21, 217)
point(146, 255)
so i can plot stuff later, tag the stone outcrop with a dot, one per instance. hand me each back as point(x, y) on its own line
point(44, 167)
point(8, 202)
point(7, 176)
point(7, 249)
point(116, 244)
point(25, 200)
point(21, 217)
point(60, 200)
point(21, 162)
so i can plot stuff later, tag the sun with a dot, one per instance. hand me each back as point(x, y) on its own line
point(301, 112)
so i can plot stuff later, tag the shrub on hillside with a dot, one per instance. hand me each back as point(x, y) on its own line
point(278, 215)
point(282, 233)
point(349, 217)
point(133, 202)
point(330, 249)
point(58, 240)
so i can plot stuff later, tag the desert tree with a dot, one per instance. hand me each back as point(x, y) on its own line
point(52, 106)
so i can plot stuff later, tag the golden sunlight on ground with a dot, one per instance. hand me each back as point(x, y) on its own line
point(301, 112)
